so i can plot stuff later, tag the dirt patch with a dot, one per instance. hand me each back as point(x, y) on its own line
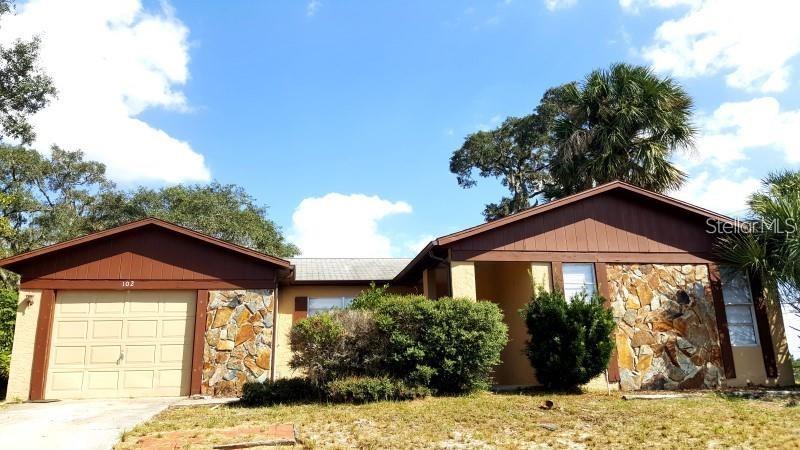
point(282, 434)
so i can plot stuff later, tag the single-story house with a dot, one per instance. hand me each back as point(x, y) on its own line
point(154, 309)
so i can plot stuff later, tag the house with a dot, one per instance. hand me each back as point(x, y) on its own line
point(151, 308)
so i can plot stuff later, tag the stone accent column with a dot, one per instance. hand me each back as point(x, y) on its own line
point(540, 277)
point(238, 340)
point(462, 277)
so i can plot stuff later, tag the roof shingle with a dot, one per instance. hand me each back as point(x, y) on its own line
point(347, 269)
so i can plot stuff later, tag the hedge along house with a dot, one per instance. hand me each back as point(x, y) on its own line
point(154, 309)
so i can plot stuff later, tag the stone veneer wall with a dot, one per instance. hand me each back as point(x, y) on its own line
point(666, 335)
point(238, 344)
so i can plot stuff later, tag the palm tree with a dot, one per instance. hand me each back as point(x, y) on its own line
point(768, 246)
point(618, 124)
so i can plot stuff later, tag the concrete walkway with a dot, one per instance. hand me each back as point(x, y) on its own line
point(72, 424)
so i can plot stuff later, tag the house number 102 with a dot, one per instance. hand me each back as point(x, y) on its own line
point(128, 283)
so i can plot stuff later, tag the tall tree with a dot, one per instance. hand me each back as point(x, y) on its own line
point(514, 153)
point(225, 211)
point(768, 246)
point(47, 197)
point(24, 87)
point(624, 124)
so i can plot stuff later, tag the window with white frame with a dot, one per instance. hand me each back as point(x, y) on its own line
point(739, 308)
point(578, 277)
point(318, 305)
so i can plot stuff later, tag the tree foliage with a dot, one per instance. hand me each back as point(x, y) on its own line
point(570, 342)
point(24, 87)
point(624, 123)
point(768, 246)
point(513, 153)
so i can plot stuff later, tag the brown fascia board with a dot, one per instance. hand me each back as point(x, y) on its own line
point(614, 185)
point(150, 221)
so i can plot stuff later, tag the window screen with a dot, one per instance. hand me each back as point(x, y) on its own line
point(739, 308)
point(322, 304)
point(578, 277)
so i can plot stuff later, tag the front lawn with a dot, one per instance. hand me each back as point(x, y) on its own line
point(488, 420)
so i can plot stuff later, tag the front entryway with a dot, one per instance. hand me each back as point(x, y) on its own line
point(109, 344)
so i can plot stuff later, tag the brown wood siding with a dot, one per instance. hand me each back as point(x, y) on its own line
point(148, 253)
point(610, 222)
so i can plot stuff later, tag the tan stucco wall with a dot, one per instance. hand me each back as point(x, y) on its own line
point(462, 276)
point(540, 273)
point(749, 361)
point(19, 380)
point(286, 296)
point(509, 285)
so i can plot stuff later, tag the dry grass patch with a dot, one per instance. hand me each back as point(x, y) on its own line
point(509, 421)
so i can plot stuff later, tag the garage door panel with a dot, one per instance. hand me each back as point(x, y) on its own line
point(175, 328)
point(109, 307)
point(143, 329)
point(105, 354)
point(71, 329)
point(121, 344)
point(107, 380)
point(66, 381)
point(139, 379)
point(69, 356)
point(107, 329)
point(141, 354)
point(170, 378)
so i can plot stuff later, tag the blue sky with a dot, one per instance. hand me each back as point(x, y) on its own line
point(341, 116)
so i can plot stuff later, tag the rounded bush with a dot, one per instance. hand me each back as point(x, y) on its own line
point(570, 342)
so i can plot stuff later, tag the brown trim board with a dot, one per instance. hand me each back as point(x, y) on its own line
point(120, 285)
point(41, 348)
point(198, 346)
point(607, 257)
point(601, 276)
point(726, 351)
point(762, 321)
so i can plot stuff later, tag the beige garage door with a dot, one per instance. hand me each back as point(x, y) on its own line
point(121, 344)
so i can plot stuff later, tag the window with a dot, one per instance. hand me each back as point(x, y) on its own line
point(578, 278)
point(739, 308)
point(322, 304)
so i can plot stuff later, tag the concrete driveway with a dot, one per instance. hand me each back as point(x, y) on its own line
point(71, 424)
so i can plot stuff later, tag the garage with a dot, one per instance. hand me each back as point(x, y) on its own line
point(121, 344)
point(145, 309)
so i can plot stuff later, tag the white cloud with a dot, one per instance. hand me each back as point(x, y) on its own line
point(723, 195)
point(553, 5)
point(417, 245)
point(312, 7)
point(344, 225)
point(751, 42)
point(110, 61)
point(737, 127)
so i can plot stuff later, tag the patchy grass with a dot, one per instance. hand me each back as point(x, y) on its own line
point(486, 420)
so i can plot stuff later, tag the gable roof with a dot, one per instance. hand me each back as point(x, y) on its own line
point(347, 269)
point(11, 261)
point(530, 212)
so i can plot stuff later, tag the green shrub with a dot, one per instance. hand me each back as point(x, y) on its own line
point(336, 344)
point(372, 389)
point(570, 342)
point(448, 345)
point(281, 391)
point(370, 299)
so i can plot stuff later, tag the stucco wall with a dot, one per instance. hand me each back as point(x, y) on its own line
point(19, 380)
point(463, 279)
point(286, 296)
point(510, 286)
